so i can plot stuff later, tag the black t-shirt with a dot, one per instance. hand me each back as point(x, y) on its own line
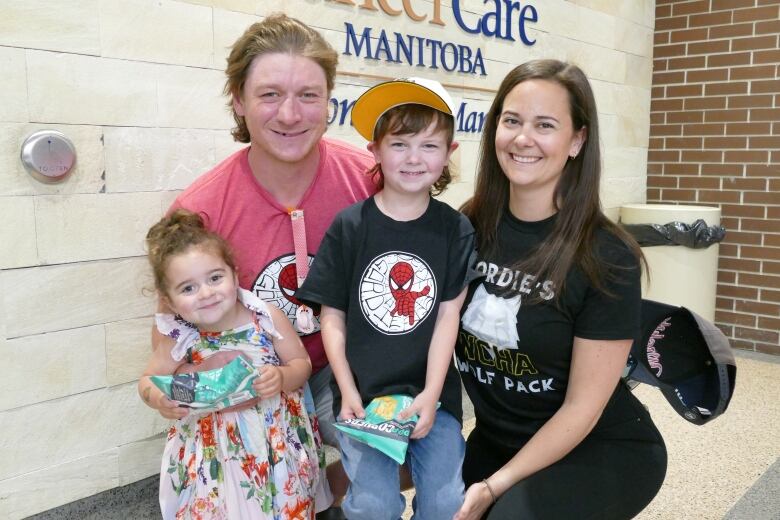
point(389, 277)
point(514, 355)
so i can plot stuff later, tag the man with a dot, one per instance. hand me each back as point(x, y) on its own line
point(280, 76)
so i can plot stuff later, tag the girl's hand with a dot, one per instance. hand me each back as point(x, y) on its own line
point(423, 405)
point(477, 501)
point(170, 409)
point(351, 406)
point(270, 381)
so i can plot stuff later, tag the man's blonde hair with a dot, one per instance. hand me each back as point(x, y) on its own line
point(277, 33)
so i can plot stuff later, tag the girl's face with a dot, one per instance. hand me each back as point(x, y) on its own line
point(412, 163)
point(535, 136)
point(202, 289)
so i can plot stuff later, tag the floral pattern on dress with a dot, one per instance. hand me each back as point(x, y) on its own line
point(211, 469)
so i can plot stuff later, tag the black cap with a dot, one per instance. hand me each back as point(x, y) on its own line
point(687, 357)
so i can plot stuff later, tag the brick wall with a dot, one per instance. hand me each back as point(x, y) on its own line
point(715, 140)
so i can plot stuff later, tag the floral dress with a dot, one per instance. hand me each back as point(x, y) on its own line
point(262, 462)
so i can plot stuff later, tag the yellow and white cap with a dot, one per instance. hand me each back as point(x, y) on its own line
point(402, 91)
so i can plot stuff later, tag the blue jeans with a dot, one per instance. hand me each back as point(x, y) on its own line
point(435, 464)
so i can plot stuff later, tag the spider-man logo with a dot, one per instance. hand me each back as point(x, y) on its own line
point(277, 282)
point(401, 279)
point(288, 283)
point(397, 292)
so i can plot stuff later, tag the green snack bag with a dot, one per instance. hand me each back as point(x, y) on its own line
point(381, 428)
point(211, 390)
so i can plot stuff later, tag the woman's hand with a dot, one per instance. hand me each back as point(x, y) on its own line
point(478, 500)
point(270, 381)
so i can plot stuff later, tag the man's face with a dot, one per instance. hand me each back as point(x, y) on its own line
point(285, 105)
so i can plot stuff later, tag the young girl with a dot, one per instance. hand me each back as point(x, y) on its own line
point(390, 276)
point(253, 461)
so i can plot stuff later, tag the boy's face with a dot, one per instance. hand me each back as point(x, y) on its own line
point(412, 163)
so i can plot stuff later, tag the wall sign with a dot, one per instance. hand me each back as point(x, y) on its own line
point(505, 20)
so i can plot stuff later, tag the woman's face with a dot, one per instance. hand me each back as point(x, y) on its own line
point(535, 136)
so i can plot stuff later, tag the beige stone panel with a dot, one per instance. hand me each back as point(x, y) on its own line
point(633, 131)
point(73, 427)
point(154, 159)
point(224, 146)
point(639, 72)
point(634, 38)
point(608, 129)
point(13, 84)
point(75, 89)
point(163, 32)
point(140, 459)
point(18, 217)
point(44, 24)
point(96, 226)
point(577, 23)
point(626, 190)
point(634, 101)
point(166, 199)
point(49, 366)
point(128, 348)
point(597, 62)
point(58, 484)
point(84, 177)
point(191, 98)
point(228, 27)
point(244, 6)
point(624, 162)
point(51, 298)
point(457, 193)
point(638, 11)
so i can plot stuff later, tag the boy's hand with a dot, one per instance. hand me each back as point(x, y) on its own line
point(423, 405)
point(270, 381)
point(351, 406)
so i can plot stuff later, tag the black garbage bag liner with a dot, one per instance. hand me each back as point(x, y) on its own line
point(696, 236)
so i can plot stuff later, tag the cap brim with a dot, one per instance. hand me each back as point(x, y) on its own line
point(379, 99)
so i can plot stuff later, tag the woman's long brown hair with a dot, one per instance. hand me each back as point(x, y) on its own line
point(572, 241)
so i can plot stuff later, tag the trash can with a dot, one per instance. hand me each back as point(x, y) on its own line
point(679, 275)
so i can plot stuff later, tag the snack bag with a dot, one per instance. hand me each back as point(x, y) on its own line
point(211, 390)
point(381, 429)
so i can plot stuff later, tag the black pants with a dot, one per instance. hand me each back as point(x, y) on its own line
point(599, 480)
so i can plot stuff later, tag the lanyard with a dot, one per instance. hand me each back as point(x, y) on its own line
point(304, 317)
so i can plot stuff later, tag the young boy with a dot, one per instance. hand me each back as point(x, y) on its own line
point(390, 276)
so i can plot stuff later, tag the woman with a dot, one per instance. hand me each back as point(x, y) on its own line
point(545, 335)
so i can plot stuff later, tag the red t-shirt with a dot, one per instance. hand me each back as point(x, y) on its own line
point(234, 205)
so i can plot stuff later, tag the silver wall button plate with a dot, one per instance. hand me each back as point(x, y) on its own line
point(48, 155)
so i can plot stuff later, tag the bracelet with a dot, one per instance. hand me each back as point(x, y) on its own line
point(490, 490)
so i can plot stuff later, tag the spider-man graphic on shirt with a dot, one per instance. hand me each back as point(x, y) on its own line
point(397, 292)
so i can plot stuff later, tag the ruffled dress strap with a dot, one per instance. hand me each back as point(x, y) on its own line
point(254, 303)
point(184, 333)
